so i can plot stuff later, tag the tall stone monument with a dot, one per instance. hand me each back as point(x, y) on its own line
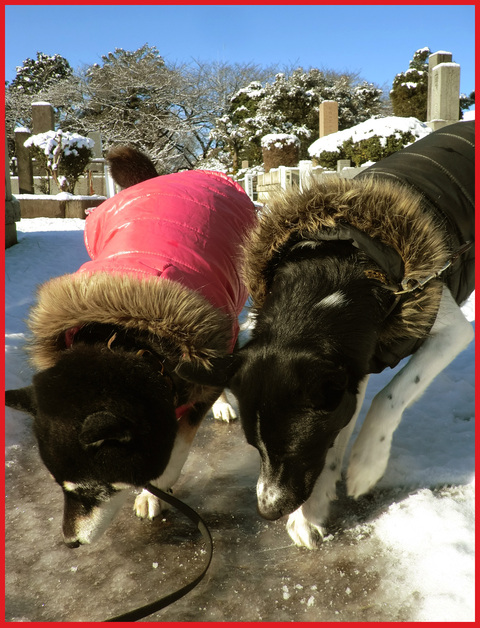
point(328, 121)
point(443, 106)
point(24, 162)
point(12, 207)
point(43, 118)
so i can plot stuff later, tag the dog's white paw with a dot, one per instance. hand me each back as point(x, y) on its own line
point(368, 462)
point(304, 533)
point(223, 411)
point(147, 506)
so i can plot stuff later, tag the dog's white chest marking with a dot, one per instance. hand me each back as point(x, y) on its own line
point(450, 334)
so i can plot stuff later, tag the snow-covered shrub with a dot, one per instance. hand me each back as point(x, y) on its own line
point(280, 149)
point(375, 148)
point(64, 156)
point(371, 140)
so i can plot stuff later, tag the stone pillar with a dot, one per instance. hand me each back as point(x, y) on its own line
point(434, 59)
point(342, 163)
point(443, 91)
point(97, 150)
point(12, 207)
point(328, 117)
point(24, 162)
point(43, 118)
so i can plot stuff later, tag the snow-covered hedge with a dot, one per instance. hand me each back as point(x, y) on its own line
point(64, 155)
point(280, 149)
point(371, 140)
point(279, 140)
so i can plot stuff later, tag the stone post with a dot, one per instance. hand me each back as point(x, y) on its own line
point(12, 206)
point(43, 118)
point(434, 59)
point(24, 162)
point(97, 165)
point(328, 121)
point(443, 91)
point(342, 163)
point(97, 150)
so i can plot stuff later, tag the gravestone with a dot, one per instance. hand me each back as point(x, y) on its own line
point(24, 162)
point(12, 207)
point(43, 118)
point(328, 120)
point(443, 106)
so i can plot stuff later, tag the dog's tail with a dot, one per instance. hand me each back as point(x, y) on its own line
point(128, 166)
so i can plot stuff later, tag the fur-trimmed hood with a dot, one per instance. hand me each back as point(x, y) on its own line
point(385, 211)
point(164, 309)
point(165, 259)
point(419, 203)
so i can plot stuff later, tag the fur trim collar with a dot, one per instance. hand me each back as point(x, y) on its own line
point(385, 210)
point(163, 308)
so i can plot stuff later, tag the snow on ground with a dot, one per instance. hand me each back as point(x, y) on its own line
point(403, 553)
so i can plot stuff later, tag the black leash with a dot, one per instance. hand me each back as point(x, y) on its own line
point(148, 609)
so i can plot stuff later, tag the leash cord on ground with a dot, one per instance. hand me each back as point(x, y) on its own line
point(148, 609)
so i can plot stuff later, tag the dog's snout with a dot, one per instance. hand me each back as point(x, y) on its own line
point(268, 512)
point(270, 501)
point(72, 544)
point(277, 497)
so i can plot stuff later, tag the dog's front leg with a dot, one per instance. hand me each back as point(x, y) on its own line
point(147, 506)
point(306, 525)
point(223, 410)
point(450, 334)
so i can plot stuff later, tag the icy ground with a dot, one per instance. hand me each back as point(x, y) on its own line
point(405, 552)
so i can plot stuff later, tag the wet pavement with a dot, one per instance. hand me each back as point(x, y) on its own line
point(257, 574)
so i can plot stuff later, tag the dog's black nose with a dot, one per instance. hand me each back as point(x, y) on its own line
point(72, 544)
point(272, 514)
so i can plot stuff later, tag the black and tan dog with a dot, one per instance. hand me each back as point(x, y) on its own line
point(349, 277)
point(163, 287)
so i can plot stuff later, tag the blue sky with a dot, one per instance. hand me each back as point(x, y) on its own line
point(376, 41)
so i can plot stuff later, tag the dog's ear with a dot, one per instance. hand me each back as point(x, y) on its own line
point(21, 399)
point(102, 426)
point(220, 373)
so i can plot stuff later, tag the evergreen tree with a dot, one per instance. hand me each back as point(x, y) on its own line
point(466, 102)
point(46, 78)
point(37, 74)
point(290, 104)
point(409, 93)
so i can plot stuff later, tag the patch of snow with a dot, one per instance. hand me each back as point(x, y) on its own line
point(384, 127)
point(279, 140)
point(448, 64)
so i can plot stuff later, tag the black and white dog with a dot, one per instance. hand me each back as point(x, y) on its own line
point(110, 411)
point(347, 278)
